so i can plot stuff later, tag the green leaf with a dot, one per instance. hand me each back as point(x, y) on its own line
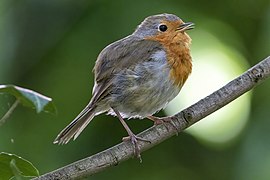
point(12, 165)
point(16, 172)
point(30, 98)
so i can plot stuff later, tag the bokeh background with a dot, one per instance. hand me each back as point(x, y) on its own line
point(51, 46)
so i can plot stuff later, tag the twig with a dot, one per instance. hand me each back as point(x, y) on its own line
point(9, 112)
point(156, 134)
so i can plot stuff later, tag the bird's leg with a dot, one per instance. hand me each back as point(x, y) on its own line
point(132, 137)
point(158, 120)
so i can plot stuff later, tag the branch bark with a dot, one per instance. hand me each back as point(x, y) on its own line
point(157, 134)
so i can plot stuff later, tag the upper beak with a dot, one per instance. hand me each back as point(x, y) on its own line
point(186, 26)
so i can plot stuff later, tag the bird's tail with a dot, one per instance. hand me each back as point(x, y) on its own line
point(74, 129)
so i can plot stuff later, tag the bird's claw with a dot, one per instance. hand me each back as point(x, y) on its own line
point(134, 140)
point(158, 121)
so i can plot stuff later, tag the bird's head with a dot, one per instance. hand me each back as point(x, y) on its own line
point(164, 27)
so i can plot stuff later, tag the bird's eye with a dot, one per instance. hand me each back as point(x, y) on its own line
point(162, 28)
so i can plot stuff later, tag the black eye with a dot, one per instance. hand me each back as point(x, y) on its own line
point(162, 28)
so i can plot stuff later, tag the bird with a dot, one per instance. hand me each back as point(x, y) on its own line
point(138, 75)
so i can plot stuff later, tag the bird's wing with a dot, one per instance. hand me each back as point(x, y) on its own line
point(118, 56)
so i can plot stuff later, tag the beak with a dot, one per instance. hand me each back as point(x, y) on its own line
point(186, 26)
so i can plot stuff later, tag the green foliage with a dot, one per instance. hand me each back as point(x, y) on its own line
point(30, 98)
point(12, 165)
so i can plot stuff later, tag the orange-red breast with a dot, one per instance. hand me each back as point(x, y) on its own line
point(138, 75)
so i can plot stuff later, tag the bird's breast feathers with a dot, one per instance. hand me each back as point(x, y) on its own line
point(178, 57)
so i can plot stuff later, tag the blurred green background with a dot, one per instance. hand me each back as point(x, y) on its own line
point(51, 47)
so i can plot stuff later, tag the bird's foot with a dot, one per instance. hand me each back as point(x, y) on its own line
point(134, 140)
point(163, 120)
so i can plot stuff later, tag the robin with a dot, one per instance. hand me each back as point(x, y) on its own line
point(138, 75)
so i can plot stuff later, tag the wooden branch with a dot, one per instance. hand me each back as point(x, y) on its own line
point(157, 134)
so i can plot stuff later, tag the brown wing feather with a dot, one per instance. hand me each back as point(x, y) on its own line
point(120, 55)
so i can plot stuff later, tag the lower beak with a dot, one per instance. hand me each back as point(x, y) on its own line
point(186, 26)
